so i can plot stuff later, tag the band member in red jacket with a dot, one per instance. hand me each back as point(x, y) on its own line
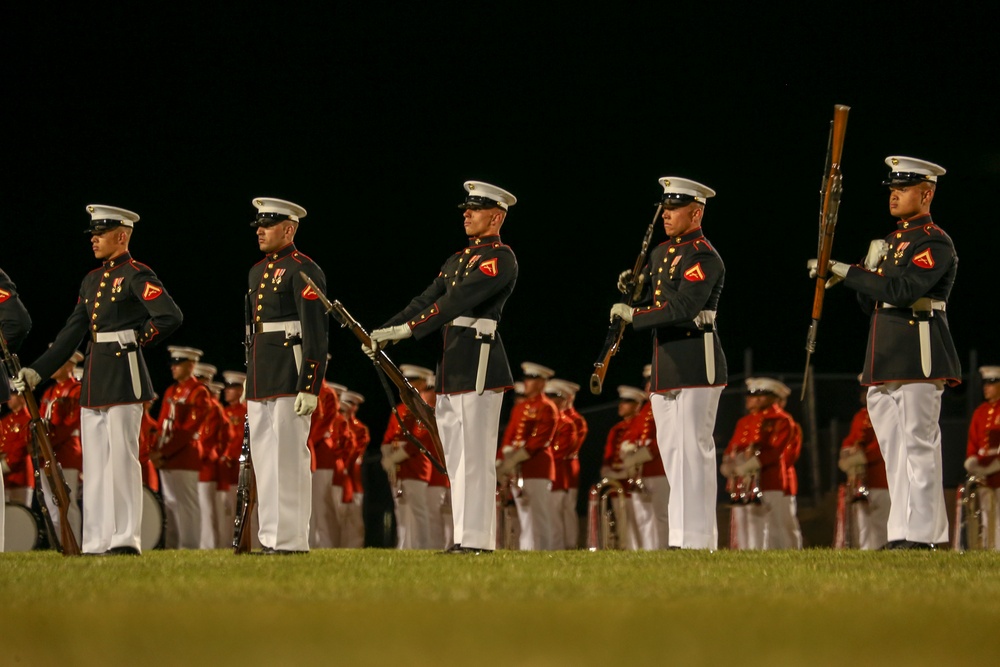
point(234, 409)
point(620, 460)
point(137, 313)
point(60, 406)
point(651, 503)
point(408, 470)
point(983, 449)
point(213, 438)
point(867, 491)
point(564, 445)
point(184, 407)
point(149, 437)
point(327, 427)
point(526, 455)
point(352, 517)
point(15, 322)
point(18, 472)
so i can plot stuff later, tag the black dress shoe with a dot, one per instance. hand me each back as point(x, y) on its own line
point(122, 551)
point(269, 551)
point(919, 546)
point(893, 545)
point(475, 551)
point(453, 549)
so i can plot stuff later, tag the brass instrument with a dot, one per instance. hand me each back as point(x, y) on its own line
point(747, 487)
point(607, 521)
point(975, 527)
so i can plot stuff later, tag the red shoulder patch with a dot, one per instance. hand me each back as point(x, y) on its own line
point(924, 260)
point(4, 295)
point(309, 293)
point(489, 267)
point(695, 274)
point(151, 291)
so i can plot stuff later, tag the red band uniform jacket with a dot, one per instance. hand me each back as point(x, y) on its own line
point(862, 435)
point(417, 466)
point(920, 262)
point(185, 407)
point(14, 322)
point(683, 277)
point(766, 434)
point(277, 293)
point(984, 438)
point(121, 295)
point(532, 426)
point(564, 445)
point(60, 405)
point(642, 431)
point(475, 282)
point(14, 437)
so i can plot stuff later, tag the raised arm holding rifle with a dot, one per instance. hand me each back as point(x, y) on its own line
point(464, 303)
point(684, 278)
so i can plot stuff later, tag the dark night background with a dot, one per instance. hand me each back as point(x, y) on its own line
point(371, 115)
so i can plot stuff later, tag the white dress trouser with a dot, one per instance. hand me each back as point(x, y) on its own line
point(685, 422)
point(227, 516)
point(469, 425)
point(281, 462)
point(905, 418)
point(73, 511)
point(571, 520)
point(534, 513)
point(872, 520)
point(651, 511)
point(181, 506)
point(208, 506)
point(323, 528)
point(112, 477)
point(413, 515)
point(340, 512)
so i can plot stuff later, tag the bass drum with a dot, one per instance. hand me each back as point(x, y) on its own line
point(23, 529)
point(154, 520)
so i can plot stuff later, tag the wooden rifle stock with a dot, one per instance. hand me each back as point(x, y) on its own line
point(830, 193)
point(53, 472)
point(617, 329)
point(409, 396)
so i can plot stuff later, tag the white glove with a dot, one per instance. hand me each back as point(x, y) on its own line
point(876, 249)
point(27, 378)
point(623, 281)
point(748, 467)
point(622, 310)
point(390, 335)
point(370, 353)
point(398, 455)
point(851, 458)
point(636, 458)
point(610, 473)
point(626, 448)
point(517, 456)
point(504, 468)
point(305, 403)
point(726, 469)
point(813, 265)
point(704, 317)
point(839, 269)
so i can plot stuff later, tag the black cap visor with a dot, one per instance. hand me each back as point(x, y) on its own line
point(101, 226)
point(672, 200)
point(268, 219)
point(477, 202)
point(904, 178)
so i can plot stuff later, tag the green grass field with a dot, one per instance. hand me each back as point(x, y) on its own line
point(384, 607)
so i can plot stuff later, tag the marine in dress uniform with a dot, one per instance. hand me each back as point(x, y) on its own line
point(213, 437)
point(14, 326)
point(682, 281)
point(287, 330)
point(905, 282)
point(185, 406)
point(408, 470)
point(789, 459)
point(18, 470)
point(565, 444)
point(464, 303)
point(867, 491)
point(60, 407)
point(122, 307)
point(571, 468)
point(983, 450)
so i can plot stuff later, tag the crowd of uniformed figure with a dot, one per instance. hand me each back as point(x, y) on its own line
point(190, 451)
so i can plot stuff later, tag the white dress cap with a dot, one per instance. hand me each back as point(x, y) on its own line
point(339, 388)
point(205, 370)
point(990, 373)
point(234, 377)
point(352, 397)
point(647, 371)
point(627, 393)
point(76, 357)
point(215, 387)
point(554, 388)
point(683, 191)
point(569, 388)
point(411, 372)
point(279, 206)
point(104, 218)
point(909, 170)
point(519, 388)
point(484, 195)
point(178, 353)
point(533, 370)
point(767, 386)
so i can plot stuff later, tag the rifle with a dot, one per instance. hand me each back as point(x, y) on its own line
point(246, 495)
point(409, 396)
point(67, 543)
point(617, 328)
point(829, 195)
